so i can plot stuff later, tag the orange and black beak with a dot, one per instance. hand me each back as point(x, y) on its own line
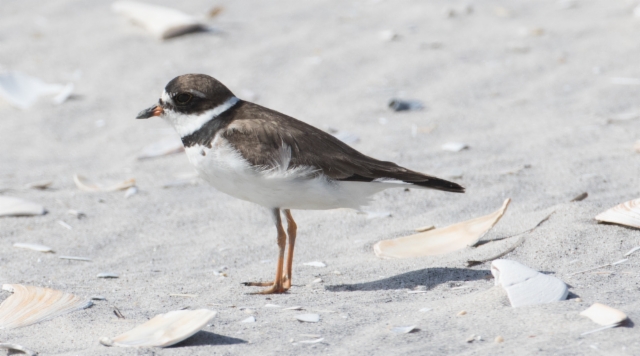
point(155, 110)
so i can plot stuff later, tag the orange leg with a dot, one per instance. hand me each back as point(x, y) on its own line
point(291, 231)
point(276, 286)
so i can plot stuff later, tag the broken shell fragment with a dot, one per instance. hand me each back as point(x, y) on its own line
point(22, 90)
point(604, 315)
point(403, 329)
point(442, 240)
point(10, 206)
point(162, 22)
point(315, 264)
point(309, 318)
point(626, 214)
point(162, 148)
point(405, 105)
point(17, 347)
point(34, 247)
point(454, 146)
point(526, 286)
point(41, 185)
point(164, 329)
point(88, 186)
point(29, 305)
point(108, 275)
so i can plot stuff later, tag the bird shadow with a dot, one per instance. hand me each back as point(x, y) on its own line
point(429, 277)
point(205, 338)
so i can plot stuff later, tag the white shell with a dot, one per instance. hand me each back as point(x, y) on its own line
point(442, 240)
point(108, 275)
point(309, 318)
point(22, 91)
point(17, 207)
point(64, 94)
point(627, 214)
point(164, 329)
point(88, 186)
point(454, 146)
point(34, 247)
point(315, 264)
point(162, 148)
point(251, 319)
point(17, 347)
point(604, 315)
point(130, 192)
point(162, 22)
point(403, 329)
point(29, 305)
point(526, 286)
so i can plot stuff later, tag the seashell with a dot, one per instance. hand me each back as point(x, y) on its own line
point(315, 264)
point(165, 147)
point(29, 305)
point(388, 36)
point(442, 240)
point(41, 185)
point(88, 186)
point(604, 315)
point(251, 319)
point(10, 206)
point(636, 146)
point(108, 275)
point(454, 146)
point(17, 347)
point(34, 247)
point(75, 258)
point(162, 22)
point(499, 339)
point(64, 94)
point(65, 225)
point(164, 329)
point(271, 306)
point(297, 307)
point(22, 91)
point(76, 213)
point(404, 329)
point(526, 286)
point(130, 192)
point(311, 341)
point(424, 310)
point(626, 214)
point(405, 105)
point(309, 318)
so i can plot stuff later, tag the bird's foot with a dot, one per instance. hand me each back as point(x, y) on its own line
point(275, 288)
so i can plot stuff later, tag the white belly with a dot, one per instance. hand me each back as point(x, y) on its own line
point(224, 168)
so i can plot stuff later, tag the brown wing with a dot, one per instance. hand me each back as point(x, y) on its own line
point(259, 134)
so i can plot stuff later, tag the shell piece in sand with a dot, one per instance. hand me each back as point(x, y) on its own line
point(162, 148)
point(162, 22)
point(34, 247)
point(164, 329)
point(526, 286)
point(88, 186)
point(627, 214)
point(17, 207)
point(29, 305)
point(22, 90)
point(604, 315)
point(442, 240)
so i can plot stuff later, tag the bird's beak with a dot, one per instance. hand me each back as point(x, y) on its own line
point(155, 110)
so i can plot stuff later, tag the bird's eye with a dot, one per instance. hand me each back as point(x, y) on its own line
point(183, 98)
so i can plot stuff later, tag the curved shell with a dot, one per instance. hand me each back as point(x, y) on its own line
point(88, 186)
point(604, 315)
point(164, 329)
point(627, 214)
point(10, 206)
point(162, 22)
point(29, 305)
point(526, 286)
point(442, 240)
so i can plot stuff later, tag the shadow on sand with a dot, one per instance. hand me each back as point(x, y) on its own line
point(203, 338)
point(429, 277)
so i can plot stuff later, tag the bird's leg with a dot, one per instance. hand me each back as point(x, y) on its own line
point(276, 286)
point(291, 231)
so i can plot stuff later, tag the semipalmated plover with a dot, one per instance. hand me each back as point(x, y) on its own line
point(262, 156)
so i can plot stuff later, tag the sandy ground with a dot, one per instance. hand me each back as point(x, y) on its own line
point(522, 83)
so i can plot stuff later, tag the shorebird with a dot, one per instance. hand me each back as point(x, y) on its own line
point(271, 159)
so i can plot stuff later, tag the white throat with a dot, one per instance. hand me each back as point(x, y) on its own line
point(185, 125)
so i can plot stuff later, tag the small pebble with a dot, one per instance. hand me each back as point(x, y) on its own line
point(461, 313)
point(499, 339)
point(578, 300)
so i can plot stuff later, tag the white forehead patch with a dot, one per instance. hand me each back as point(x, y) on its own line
point(166, 98)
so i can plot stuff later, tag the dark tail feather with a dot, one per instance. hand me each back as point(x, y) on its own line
point(440, 184)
